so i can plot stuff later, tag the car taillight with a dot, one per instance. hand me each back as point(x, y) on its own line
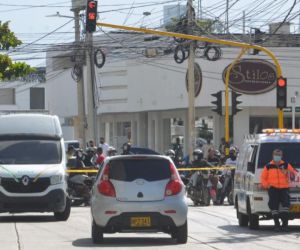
point(174, 186)
point(105, 187)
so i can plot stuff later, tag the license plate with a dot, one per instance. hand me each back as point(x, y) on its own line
point(140, 222)
point(295, 208)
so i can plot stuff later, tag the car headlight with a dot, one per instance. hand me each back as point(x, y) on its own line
point(56, 179)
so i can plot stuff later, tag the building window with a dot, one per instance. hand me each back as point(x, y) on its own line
point(7, 96)
point(37, 98)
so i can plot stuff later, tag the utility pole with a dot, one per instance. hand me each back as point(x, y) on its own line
point(80, 123)
point(227, 17)
point(200, 13)
point(191, 83)
point(244, 23)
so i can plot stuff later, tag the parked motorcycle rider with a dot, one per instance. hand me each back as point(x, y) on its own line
point(228, 174)
point(171, 154)
point(198, 162)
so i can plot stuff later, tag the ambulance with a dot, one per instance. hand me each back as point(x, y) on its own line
point(250, 199)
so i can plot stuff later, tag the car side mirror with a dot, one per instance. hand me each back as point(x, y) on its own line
point(251, 167)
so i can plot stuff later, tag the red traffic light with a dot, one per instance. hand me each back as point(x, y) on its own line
point(281, 82)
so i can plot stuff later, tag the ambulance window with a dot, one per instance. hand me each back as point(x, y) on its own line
point(247, 157)
point(253, 156)
point(241, 156)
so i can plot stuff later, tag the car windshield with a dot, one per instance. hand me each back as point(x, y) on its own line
point(291, 153)
point(30, 152)
point(132, 169)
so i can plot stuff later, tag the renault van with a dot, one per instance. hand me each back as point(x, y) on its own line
point(32, 165)
point(251, 201)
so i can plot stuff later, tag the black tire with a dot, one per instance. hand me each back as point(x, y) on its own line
point(253, 221)
point(181, 234)
point(242, 218)
point(64, 215)
point(253, 218)
point(97, 233)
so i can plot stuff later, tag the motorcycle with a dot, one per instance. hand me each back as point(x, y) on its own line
point(79, 184)
point(198, 192)
point(206, 188)
point(79, 189)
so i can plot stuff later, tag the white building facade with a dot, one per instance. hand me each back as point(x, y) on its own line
point(139, 98)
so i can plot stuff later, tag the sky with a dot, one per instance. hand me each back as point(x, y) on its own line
point(35, 21)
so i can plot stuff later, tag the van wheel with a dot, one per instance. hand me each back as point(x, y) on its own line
point(253, 221)
point(180, 234)
point(64, 215)
point(253, 218)
point(97, 233)
point(242, 218)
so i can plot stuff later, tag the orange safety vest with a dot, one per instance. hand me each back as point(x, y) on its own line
point(276, 175)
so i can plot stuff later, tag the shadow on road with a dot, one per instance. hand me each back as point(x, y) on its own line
point(27, 219)
point(125, 242)
point(238, 234)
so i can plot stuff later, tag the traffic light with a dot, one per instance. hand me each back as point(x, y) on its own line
point(217, 102)
point(91, 15)
point(281, 93)
point(257, 40)
point(234, 103)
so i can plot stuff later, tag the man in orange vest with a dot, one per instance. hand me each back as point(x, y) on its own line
point(275, 178)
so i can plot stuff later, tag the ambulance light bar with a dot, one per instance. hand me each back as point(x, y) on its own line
point(281, 130)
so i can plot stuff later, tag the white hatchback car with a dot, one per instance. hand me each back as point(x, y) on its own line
point(137, 193)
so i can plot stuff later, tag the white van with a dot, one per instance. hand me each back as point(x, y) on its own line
point(251, 201)
point(33, 165)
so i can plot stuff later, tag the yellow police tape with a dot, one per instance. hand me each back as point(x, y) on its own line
point(179, 169)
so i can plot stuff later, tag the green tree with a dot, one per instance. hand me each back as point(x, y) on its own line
point(8, 68)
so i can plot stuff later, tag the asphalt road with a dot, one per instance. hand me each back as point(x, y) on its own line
point(213, 227)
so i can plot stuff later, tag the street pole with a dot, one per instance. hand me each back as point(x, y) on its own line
point(191, 84)
point(244, 23)
point(293, 101)
point(80, 121)
point(227, 17)
point(90, 88)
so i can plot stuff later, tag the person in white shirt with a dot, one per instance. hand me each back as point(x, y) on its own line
point(228, 173)
point(104, 146)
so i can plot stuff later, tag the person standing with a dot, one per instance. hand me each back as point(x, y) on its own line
point(104, 146)
point(100, 156)
point(275, 178)
point(206, 148)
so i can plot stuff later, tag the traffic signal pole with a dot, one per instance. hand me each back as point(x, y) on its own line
point(191, 86)
point(244, 46)
point(80, 121)
point(227, 132)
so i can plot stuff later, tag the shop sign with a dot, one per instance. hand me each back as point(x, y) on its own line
point(252, 76)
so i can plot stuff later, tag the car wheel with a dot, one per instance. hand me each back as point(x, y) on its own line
point(64, 215)
point(181, 234)
point(97, 233)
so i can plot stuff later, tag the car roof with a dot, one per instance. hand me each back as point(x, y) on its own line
point(137, 157)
